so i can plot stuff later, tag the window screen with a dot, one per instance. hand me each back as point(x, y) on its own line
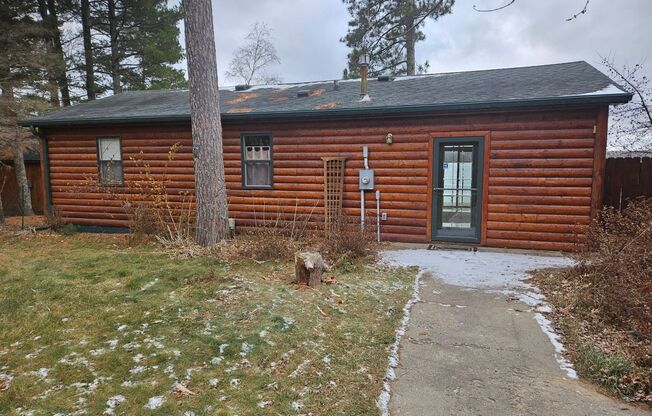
point(110, 160)
point(257, 161)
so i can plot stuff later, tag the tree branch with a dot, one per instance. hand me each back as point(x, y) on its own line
point(581, 12)
point(495, 9)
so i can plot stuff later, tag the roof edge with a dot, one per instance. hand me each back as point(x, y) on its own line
point(463, 106)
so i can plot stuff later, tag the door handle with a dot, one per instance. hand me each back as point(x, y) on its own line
point(454, 189)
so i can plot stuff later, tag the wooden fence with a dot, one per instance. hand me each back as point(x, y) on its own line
point(627, 178)
point(9, 192)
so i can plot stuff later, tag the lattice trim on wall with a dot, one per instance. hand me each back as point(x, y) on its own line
point(333, 191)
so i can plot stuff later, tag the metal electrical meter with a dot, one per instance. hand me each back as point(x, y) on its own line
point(366, 181)
point(366, 175)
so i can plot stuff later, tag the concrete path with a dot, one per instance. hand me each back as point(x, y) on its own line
point(473, 349)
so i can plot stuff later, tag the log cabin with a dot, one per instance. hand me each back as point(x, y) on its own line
point(511, 157)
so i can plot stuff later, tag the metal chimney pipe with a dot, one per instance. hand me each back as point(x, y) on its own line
point(363, 61)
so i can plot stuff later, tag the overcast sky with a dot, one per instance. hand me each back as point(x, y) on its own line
point(307, 33)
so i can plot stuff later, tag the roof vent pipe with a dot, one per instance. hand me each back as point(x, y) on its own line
point(336, 85)
point(364, 72)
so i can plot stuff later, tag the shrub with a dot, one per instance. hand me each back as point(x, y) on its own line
point(281, 239)
point(349, 241)
point(616, 268)
point(55, 219)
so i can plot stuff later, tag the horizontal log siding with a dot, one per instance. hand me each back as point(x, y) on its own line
point(539, 184)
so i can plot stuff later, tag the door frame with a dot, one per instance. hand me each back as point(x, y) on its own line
point(463, 134)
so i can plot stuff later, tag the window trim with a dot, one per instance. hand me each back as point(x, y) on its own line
point(99, 162)
point(243, 162)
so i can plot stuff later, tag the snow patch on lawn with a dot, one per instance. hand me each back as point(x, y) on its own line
point(112, 403)
point(390, 374)
point(41, 373)
point(154, 402)
point(299, 369)
point(149, 284)
point(246, 348)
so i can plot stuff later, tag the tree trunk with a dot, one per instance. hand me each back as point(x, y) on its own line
point(115, 57)
point(60, 68)
point(52, 87)
point(309, 268)
point(24, 193)
point(3, 180)
point(88, 49)
point(211, 205)
point(410, 39)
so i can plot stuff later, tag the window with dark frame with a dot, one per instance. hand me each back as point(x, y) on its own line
point(257, 160)
point(109, 158)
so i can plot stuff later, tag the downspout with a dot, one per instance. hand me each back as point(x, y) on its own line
point(378, 216)
point(45, 167)
point(365, 155)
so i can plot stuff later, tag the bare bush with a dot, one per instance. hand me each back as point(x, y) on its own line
point(349, 242)
point(145, 199)
point(616, 268)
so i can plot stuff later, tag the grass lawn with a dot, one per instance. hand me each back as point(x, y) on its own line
point(90, 325)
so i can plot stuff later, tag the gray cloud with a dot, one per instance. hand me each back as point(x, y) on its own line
point(530, 32)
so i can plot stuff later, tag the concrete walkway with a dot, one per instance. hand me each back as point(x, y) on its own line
point(473, 349)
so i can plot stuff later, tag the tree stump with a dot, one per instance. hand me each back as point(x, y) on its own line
point(309, 267)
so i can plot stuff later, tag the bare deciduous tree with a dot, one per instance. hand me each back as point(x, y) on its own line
point(631, 126)
point(251, 62)
point(210, 185)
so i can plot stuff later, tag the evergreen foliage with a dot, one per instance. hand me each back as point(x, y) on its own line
point(388, 31)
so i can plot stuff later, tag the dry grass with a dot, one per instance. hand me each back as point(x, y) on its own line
point(88, 322)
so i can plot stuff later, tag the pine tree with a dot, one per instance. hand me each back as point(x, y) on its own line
point(138, 44)
point(388, 31)
point(50, 10)
point(88, 62)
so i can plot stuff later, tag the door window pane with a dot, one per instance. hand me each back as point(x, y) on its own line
point(457, 193)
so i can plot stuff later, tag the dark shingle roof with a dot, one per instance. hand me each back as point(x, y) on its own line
point(574, 82)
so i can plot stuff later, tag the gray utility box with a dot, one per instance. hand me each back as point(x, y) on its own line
point(366, 181)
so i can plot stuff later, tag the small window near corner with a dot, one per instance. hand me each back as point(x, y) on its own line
point(257, 156)
point(109, 157)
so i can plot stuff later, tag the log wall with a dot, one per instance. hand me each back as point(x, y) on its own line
point(539, 186)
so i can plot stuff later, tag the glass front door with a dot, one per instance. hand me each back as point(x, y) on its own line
point(457, 189)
